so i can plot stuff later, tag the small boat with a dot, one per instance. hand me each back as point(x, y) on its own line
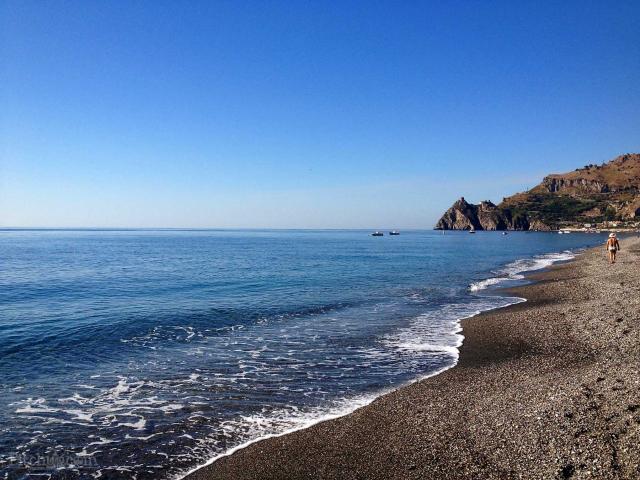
point(377, 234)
point(472, 230)
point(394, 232)
point(505, 233)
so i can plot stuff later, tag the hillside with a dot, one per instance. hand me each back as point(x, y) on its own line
point(593, 194)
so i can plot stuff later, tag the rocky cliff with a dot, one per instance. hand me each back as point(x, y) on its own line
point(485, 216)
point(591, 194)
point(622, 174)
point(464, 216)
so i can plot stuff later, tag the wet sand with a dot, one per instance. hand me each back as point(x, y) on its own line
point(545, 389)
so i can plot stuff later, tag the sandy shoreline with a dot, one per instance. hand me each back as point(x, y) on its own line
point(545, 389)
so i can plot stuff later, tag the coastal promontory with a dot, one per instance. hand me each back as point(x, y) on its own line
point(594, 196)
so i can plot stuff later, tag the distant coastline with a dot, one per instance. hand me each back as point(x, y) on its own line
point(592, 198)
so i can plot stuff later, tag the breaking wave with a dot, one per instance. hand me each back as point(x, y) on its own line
point(515, 271)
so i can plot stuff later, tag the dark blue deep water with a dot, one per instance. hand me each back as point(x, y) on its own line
point(142, 354)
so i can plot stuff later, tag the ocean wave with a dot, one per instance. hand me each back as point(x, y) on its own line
point(96, 338)
point(439, 330)
point(515, 270)
point(430, 332)
point(198, 326)
point(112, 407)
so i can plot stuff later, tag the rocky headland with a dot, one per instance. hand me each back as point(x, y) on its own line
point(592, 195)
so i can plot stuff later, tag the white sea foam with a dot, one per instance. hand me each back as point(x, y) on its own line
point(139, 425)
point(113, 408)
point(101, 441)
point(431, 332)
point(515, 270)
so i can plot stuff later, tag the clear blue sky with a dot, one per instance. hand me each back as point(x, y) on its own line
point(303, 114)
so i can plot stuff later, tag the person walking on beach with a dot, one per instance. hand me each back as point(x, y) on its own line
point(612, 247)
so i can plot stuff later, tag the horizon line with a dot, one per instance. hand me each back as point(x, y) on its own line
point(214, 228)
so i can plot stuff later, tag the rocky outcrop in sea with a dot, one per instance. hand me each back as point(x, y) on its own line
point(463, 215)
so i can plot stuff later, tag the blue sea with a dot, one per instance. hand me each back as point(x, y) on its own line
point(145, 353)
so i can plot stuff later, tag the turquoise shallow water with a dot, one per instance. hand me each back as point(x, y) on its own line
point(129, 353)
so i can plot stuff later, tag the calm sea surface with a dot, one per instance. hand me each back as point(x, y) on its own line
point(142, 354)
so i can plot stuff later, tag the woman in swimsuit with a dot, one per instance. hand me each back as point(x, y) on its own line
point(612, 247)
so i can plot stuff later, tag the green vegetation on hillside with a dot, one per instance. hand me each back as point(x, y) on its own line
point(554, 209)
